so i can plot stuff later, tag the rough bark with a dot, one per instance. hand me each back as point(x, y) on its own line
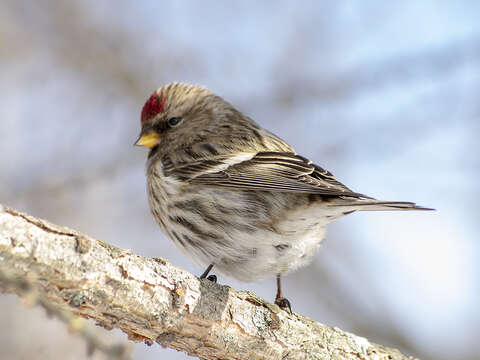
point(153, 301)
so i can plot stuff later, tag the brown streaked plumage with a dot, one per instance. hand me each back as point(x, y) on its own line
point(230, 193)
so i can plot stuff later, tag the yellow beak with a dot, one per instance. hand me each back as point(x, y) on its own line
point(149, 140)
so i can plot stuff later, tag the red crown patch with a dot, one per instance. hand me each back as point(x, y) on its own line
point(154, 105)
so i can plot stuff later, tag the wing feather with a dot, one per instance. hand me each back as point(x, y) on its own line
point(272, 171)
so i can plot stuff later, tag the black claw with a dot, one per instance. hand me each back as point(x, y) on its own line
point(284, 304)
point(212, 278)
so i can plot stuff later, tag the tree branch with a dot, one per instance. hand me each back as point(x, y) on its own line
point(153, 301)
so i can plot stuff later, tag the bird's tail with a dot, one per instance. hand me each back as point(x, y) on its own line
point(378, 205)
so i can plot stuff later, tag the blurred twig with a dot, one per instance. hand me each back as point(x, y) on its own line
point(31, 296)
point(76, 41)
point(433, 63)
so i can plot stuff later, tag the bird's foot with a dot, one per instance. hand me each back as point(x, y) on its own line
point(284, 304)
point(212, 278)
point(205, 273)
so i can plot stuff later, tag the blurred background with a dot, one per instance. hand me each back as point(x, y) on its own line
point(383, 94)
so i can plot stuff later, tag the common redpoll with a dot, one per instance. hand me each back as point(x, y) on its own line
point(232, 195)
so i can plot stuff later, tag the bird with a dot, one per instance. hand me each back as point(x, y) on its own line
point(233, 196)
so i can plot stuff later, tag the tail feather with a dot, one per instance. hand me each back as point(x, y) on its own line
point(378, 205)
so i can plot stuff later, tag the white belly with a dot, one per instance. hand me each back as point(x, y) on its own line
point(216, 227)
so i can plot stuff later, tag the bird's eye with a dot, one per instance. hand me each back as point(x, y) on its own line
point(174, 121)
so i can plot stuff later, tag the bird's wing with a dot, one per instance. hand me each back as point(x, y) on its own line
point(272, 171)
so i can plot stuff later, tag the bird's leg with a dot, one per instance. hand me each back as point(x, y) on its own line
point(279, 299)
point(212, 278)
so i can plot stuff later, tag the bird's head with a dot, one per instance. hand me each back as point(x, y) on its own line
point(177, 114)
point(183, 119)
